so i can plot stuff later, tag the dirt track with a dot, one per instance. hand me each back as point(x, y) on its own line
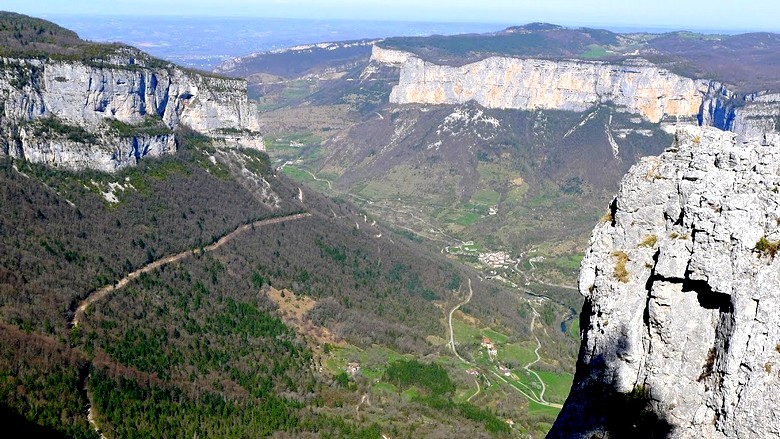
point(102, 292)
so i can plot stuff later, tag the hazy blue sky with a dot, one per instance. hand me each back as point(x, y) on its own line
point(689, 14)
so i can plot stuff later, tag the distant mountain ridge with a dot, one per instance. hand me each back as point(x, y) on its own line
point(726, 81)
point(748, 62)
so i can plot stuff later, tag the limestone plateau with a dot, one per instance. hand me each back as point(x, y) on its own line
point(61, 112)
point(680, 333)
point(636, 85)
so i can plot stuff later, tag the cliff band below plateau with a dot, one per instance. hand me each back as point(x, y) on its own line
point(680, 330)
point(128, 88)
point(637, 85)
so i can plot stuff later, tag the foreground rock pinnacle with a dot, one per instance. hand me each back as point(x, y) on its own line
point(681, 321)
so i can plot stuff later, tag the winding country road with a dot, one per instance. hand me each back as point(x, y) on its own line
point(102, 292)
point(479, 389)
point(452, 332)
point(317, 178)
point(527, 367)
point(532, 397)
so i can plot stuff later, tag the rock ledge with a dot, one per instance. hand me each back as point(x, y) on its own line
point(681, 324)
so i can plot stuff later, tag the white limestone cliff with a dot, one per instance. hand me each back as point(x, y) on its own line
point(576, 85)
point(680, 330)
point(122, 88)
point(391, 57)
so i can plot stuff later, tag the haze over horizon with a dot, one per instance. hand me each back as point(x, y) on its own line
point(723, 15)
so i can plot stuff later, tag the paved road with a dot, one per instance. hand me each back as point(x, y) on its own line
point(527, 367)
point(531, 396)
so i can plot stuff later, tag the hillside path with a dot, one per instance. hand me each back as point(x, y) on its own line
point(102, 292)
point(318, 178)
point(452, 332)
point(527, 367)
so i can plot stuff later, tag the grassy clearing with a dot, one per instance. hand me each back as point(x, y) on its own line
point(516, 353)
point(302, 176)
point(558, 385)
point(468, 219)
point(568, 262)
point(485, 197)
point(594, 51)
point(383, 388)
point(516, 195)
point(538, 409)
point(496, 337)
point(373, 361)
point(410, 393)
point(464, 333)
point(298, 174)
point(574, 328)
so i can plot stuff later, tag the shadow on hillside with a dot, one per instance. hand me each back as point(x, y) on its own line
point(16, 425)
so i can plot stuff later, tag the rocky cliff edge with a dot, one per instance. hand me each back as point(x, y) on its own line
point(125, 90)
point(655, 93)
point(680, 333)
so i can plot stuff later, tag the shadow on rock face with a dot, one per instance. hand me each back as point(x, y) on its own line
point(595, 410)
point(600, 412)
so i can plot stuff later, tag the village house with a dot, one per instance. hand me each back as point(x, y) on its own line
point(353, 368)
point(495, 259)
point(491, 348)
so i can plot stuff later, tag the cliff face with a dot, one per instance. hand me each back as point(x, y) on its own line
point(391, 57)
point(529, 84)
point(125, 90)
point(680, 331)
point(749, 116)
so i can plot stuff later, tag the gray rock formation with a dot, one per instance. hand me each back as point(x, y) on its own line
point(125, 88)
point(530, 84)
point(680, 333)
point(575, 85)
point(749, 116)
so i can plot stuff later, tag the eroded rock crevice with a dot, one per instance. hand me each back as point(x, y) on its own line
point(689, 321)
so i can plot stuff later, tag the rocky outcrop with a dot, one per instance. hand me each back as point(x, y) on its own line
point(104, 153)
point(575, 85)
point(531, 84)
point(390, 57)
point(749, 116)
point(127, 87)
point(680, 333)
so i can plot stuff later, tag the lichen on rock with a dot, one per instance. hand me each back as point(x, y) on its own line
point(691, 338)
